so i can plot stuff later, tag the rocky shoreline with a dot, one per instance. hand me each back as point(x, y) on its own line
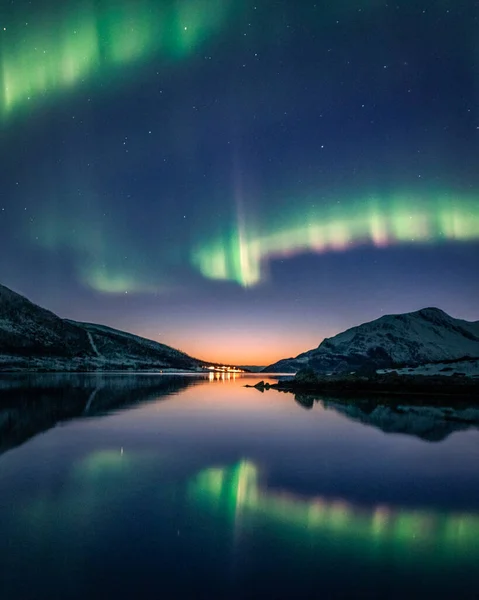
point(309, 382)
point(430, 408)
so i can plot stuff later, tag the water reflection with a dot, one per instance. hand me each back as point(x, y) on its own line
point(430, 419)
point(238, 492)
point(31, 404)
point(222, 376)
point(429, 423)
point(225, 493)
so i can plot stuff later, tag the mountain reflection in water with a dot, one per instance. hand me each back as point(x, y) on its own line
point(182, 487)
point(429, 421)
point(32, 404)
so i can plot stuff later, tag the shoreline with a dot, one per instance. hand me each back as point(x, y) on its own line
point(413, 387)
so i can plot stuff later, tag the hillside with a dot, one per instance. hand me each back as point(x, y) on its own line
point(411, 339)
point(35, 338)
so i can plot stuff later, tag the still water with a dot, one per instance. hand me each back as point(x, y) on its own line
point(186, 487)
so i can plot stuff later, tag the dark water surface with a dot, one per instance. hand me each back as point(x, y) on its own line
point(182, 487)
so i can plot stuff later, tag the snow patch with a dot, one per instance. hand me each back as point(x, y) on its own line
point(93, 345)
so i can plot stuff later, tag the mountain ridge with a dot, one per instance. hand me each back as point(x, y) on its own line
point(34, 337)
point(428, 335)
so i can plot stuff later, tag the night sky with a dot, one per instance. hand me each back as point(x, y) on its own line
point(240, 179)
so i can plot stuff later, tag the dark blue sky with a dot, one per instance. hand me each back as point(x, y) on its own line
point(240, 179)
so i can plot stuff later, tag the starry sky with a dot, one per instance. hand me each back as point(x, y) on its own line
point(240, 179)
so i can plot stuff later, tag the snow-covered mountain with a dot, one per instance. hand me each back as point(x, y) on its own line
point(417, 338)
point(33, 337)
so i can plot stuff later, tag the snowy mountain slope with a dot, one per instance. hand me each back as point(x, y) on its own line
point(468, 367)
point(33, 336)
point(425, 336)
point(28, 330)
point(114, 345)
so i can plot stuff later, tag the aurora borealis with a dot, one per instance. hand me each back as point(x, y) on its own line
point(379, 222)
point(211, 172)
point(45, 52)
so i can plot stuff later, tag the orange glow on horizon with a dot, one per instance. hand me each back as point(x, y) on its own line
point(236, 346)
point(249, 352)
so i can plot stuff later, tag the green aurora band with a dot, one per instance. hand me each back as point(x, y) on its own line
point(369, 531)
point(100, 258)
point(241, 254)
point(44, 51)
point(107, 263)
point(49, 52)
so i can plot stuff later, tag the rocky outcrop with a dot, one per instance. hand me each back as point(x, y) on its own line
point(308, 380)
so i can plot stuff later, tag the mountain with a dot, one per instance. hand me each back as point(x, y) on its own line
point(252, 368)
point(409, 340)
point(35, 338)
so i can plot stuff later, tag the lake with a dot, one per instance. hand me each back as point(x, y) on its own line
point(159, 486)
